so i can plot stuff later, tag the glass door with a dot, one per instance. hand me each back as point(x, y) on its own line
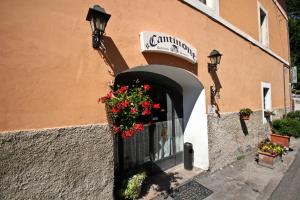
point(166, 134)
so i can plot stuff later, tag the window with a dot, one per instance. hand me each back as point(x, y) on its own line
point(263, 26)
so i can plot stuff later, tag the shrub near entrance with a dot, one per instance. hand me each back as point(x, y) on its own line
point(126, 107)
point(294, 115)
point(290, 127)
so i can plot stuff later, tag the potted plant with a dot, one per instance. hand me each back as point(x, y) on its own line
point(269, 153)
point(268, 113)
point(282, 130)
point(131, 187)
point(245, 113)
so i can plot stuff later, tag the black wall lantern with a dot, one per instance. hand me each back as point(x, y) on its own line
point(215, 58)
point(98, 19)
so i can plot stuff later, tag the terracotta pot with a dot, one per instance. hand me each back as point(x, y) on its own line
point(245, 117)
point(281, 140)
point(267, 160)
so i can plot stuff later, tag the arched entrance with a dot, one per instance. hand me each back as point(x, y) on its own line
point(182, 118)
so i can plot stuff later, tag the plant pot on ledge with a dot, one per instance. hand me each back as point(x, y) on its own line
point(245, 113)
point(245, 117)
point(282, 140)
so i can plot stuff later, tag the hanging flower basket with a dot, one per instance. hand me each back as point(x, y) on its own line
point(127, 105)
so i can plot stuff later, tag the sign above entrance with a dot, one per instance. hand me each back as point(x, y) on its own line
point(164, 43)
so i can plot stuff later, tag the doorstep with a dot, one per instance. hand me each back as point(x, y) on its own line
point(164, 183)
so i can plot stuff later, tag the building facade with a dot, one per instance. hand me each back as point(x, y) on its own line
point(55, 140)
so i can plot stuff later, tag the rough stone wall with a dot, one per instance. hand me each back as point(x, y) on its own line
point(229, 137)
point(280, 113)
point(61, 163)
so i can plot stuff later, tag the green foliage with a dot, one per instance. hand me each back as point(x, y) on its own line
point(287, 126)
point(294, 115)
point(293, 11)
point(241, 157)
point(246, 111)
point(131, 186)
point(271, 148)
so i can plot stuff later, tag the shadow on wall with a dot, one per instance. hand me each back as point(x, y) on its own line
point(215, 91)
point(244, 126)
point(112, 57)
point(165, 59)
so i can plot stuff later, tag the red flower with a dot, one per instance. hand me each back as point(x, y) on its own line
point(146, 112)
point(122, 89)
point(146, 87)
point(115, 110)
point(145, 104)
point(132, 110)
point(156, 106)
point(124, 104)
point(139, 127)
point(108, 96)
point(127, 133)
point(116, 129)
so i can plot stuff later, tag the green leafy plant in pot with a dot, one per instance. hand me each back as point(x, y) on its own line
point(245, 113)
point(268, 113)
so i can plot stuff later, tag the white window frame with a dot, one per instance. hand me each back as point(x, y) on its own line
point(211, 6)
point(260, 7)
point(268, 100)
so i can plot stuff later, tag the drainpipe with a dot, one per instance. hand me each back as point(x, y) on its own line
point(283, 73)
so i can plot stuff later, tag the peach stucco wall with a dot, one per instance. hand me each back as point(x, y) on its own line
point(244, 15)
point(51, 76)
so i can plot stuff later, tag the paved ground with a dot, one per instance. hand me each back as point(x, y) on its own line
point(289, 186)
point(246, 180)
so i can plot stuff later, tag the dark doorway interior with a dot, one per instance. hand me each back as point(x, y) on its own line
point(161, 143)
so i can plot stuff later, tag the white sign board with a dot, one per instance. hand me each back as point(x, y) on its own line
point(164, 43)
point(295, 96)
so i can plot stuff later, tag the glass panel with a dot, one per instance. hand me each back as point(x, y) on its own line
point(136, 149)
point(203, 1)
point(178, 134)
point(163, 133)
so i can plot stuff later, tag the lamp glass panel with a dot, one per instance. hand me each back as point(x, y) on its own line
point(218, 59)
point(213, 60)
point(92, 22)
point(102, 24)
point(98, 22)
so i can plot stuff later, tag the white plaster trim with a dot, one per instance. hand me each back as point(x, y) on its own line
point(281, 9)
point(266, 85)
point(233, 28)
point(260, 6)
point(196, 132)
point(211, 7)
